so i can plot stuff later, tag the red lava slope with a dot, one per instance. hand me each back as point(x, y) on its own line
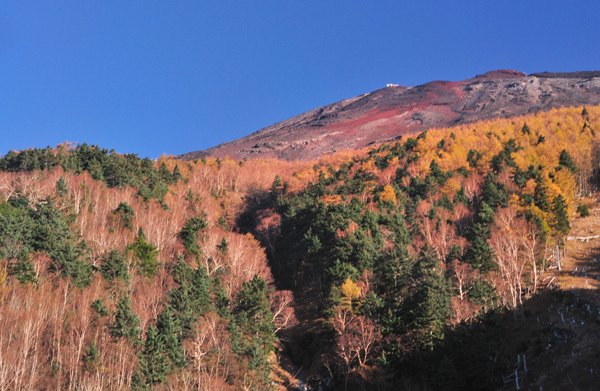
point(393, 111)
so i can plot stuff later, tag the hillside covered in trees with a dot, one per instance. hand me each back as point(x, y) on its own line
point(393, 267)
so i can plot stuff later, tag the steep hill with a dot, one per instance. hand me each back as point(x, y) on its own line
point(393, 111)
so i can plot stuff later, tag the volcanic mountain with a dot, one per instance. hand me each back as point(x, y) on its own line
point(393, 111)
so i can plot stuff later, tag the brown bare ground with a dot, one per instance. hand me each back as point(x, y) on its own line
point(559, 330)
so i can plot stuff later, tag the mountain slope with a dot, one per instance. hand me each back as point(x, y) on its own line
point(388, 113)
point(419, 264)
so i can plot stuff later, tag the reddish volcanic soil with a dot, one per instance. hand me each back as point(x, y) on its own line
point(393, 111)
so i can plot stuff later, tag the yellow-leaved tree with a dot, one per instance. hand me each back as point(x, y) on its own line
point(350, 292)
point(388, 194)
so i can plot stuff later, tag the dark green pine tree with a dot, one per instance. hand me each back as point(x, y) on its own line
point(485, 213)
point(187, 235)
point(473, 157)
point(200, 291)
point(176, 174)
point(74, 261)
point(154, 365)
point(223, 246)
point(253, 306)
point(429, 304)
point(192, 298)
point(559, 208)
point(113, 267)
point(436, 173)
point(583, 210)
point(99, 308)
point(221, 299)
point(126, 214)
point(170, 332)
point(164, 173)
point(126, 324)
point(61, 187)
point(479, 254)
point(137, 382)
point(565, 160)
point(23, 269)
point(180, 299)
point(540, 194)
point(520, 177)
point(52, 234)
point(394, 271)
point(278, 188)
point(494, 193)
point(252, 310)
point(90, 358)
point(395, 222)
point(145, 254)
point(182, 273)
point(254, 318)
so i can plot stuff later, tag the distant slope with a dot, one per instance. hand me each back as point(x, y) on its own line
point(391, 112)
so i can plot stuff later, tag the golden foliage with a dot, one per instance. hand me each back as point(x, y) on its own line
point(350, 292)
point(451, 187)
point(332, 199)
point(388, 194)
point(350, 289)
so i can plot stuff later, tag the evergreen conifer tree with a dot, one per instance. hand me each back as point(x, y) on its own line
point(540, 195)
point(23, 269)
point(176, 174)
point(90, 357)
point(126, 324)
point(494, 193)
point(153, 359)
point(429, 304)
point(126, 214)
point(170, 332)
point(187, 235)
point(559, 208)
point(146, 254)
point(565, 160)
point(200, 290)
point(113, 267)
point(192, 298)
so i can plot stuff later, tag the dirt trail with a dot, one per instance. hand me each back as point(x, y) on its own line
point(581, 267)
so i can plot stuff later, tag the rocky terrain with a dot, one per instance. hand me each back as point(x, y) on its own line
point(393, 111)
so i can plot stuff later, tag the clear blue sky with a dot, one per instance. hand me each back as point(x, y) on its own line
point(154, 77)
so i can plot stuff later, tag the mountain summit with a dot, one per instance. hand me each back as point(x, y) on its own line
point(393, 111)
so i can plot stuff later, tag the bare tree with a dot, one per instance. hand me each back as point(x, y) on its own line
point(515, 245)
point(357, 337)
point(463, 274)
point(282, 309)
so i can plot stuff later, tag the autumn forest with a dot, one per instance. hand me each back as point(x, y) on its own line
point(378, 269)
